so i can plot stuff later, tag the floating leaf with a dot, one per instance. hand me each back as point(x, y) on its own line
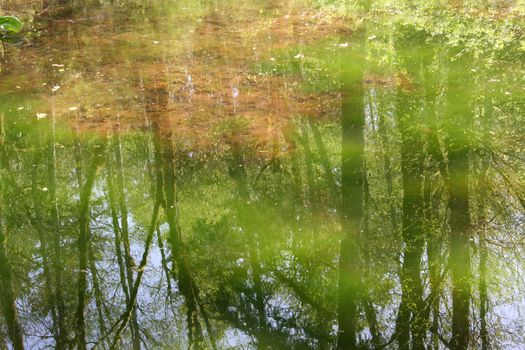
point(10, 24)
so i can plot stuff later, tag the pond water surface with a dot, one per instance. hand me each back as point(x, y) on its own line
point(262, 175)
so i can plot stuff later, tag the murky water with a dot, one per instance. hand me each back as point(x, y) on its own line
point(270, 175)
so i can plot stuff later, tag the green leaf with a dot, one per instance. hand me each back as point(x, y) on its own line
point(10, 24)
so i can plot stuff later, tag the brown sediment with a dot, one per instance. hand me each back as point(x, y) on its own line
point(210, 92)
point(201, 83)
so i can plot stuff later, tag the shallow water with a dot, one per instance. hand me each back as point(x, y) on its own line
point(277, 175)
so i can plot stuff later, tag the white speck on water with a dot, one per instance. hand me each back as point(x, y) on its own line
point(189, 84)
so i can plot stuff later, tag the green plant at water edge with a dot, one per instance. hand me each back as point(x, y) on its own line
point(9, 27)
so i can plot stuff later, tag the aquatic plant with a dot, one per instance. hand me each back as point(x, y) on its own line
point(9, 27)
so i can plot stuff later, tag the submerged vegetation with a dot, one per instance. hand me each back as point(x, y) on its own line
point(9, 27)
point(301, 174)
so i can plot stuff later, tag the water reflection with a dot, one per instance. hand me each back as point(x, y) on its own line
point(171, 179)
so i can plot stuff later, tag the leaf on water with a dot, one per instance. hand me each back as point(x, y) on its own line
point(10, 24)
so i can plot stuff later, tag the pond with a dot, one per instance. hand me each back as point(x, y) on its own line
point(307, 174)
